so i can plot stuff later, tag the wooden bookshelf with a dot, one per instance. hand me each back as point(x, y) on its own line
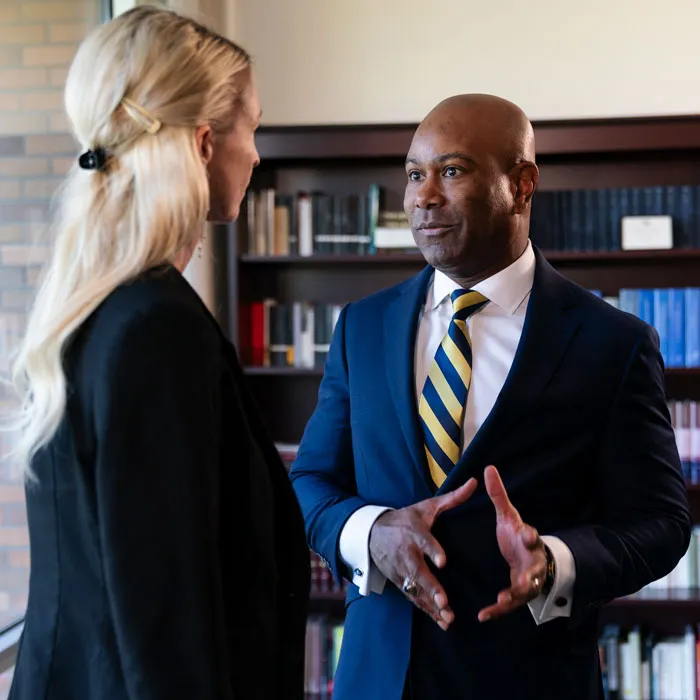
point(576, 155)
point(556, 257)
point(665, 612)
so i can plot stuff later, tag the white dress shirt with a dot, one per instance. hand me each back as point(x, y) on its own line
point(495, 332)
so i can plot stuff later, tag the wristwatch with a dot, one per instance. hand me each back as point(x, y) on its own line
point(551, 571)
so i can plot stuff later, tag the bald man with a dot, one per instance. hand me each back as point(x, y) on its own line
point(491, 458)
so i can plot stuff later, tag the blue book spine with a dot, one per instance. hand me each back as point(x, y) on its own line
point(694, 443)
point(636, 202)
point(646, 306)
point(615, 224)
point(590, 219)
point(602, 233)
point(661, 321)
point(692, 327)
point(629, 301)
point(670, 207)
point(685, 215)
point(676, 328)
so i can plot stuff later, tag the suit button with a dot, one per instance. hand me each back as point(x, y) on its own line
point(358, 572)
point(560, 602)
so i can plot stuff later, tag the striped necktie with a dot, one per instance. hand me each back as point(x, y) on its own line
point(444, 396)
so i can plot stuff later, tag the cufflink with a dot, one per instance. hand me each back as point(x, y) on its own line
point(358, 572)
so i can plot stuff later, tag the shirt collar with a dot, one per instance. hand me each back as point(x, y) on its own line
point(506, 288)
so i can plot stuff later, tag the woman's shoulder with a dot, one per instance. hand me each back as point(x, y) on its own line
point(159, 303)
point(156, 287)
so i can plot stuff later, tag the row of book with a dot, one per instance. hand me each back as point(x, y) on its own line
point(324, 637)
point(296, 334)
point(590, 220)
point(639, 665)
point(310, 223)
point(686, 574)
point(635, 664)
point(319, 223)
point(674, 313)
point(685, 417)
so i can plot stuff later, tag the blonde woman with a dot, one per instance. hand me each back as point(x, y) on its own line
point(168, 552)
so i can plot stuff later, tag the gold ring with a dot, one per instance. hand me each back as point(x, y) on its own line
point(410, 587)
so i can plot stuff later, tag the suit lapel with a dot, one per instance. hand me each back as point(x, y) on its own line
point(400, 327)
point(550, 324)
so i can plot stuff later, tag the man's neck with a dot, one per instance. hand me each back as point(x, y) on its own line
point(467, 280)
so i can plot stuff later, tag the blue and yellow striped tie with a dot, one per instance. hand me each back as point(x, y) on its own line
point(444, 396)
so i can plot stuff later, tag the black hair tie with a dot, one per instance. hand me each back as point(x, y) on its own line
point(93, 159)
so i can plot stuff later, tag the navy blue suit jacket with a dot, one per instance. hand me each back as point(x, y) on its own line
point(582, 438)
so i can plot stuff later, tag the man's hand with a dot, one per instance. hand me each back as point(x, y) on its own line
point(399, 542)
point(520, 546)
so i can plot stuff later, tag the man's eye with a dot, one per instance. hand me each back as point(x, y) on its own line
point(414, 175)
point(451, 171)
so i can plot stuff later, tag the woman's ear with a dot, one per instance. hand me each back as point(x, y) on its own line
point(205, 142)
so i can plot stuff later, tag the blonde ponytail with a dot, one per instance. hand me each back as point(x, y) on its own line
point(139, 208)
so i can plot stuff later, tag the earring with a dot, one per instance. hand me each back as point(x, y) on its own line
point(200, 248)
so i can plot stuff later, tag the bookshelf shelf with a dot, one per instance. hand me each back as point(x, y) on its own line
point(557, 257)
point(283, 372)
point(673, 597)
point(667, 612)
point(360, 260)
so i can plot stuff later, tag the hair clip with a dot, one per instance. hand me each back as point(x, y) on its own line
point(93, 159)
point(141, 116)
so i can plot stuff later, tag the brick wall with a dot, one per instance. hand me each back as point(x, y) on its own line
point(38, 39)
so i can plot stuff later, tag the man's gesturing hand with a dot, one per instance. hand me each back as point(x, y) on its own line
point(520, 546)
point(399, 542)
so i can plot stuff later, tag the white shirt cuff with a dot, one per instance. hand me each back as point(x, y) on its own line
point(354, 549)
point(558, 602)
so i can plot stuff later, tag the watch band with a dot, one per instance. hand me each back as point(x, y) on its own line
point(551, 571)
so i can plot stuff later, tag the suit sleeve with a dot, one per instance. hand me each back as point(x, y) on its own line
point(323, 474)
point(157, 423)
point(643, 522)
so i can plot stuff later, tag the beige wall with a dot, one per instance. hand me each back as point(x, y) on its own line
point(355, 61)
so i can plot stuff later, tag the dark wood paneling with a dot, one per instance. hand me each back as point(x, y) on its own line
point(552, 138)
point(302, 143)
point(341, 279)
point(600, 172)
point(685, 384)
point(666, 612)
point(345, 178)
point(333, 283)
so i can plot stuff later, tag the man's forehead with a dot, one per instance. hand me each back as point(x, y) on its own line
point(431, 143)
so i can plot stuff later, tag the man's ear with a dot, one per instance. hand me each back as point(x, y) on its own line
point(524, 178)
point(205, 142)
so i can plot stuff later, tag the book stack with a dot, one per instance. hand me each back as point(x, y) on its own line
point(295, 334)
point(639, 665)
point(674, 313)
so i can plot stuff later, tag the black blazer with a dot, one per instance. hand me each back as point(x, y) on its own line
point(582, 438)
point(168, 551)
